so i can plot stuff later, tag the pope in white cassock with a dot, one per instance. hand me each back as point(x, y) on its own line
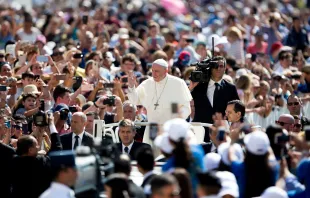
point(157, 94)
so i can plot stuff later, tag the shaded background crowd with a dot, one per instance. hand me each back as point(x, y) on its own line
point(74, 62)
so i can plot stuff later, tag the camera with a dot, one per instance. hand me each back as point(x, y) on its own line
point(64, 114)
point(203, 69)
point(110, 100)
point(40, 119)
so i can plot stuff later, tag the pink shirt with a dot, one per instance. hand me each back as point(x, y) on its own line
point(252, 48)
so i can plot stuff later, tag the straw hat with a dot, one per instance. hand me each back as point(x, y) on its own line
point(31, 89)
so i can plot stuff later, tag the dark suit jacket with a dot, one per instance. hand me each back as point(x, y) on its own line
point(66, 140)
point(147, 180)
point(304, 121)
point(203, 108)
point(134, 149)
point(207, 147)
point(31, 176)
point(6, 155)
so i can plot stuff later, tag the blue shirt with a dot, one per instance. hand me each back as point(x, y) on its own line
point(303, 173)
point(3, 40)
point(238, 169)
point(195, 167)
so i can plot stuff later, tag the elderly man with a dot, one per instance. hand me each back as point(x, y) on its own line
point(78, 136)
point(130, 112)
point(294, 106)
point(158, 93)
point(286, 121)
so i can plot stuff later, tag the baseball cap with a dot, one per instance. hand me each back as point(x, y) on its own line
point(223, 151)
point(123, 33)
point(41, 38)
point(212, 161)
point(257, 142)
point(274, 192)
point(176, 129)
point(229, 184)
point(241, 72)
point(163, 143)
point(61, 106)
point(62, 159)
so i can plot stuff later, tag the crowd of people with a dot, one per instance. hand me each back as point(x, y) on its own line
point(127, 62)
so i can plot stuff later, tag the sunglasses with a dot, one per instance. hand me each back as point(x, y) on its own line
point(293, 103)
point(281, 123)
point(297, 125)
point(17, 127)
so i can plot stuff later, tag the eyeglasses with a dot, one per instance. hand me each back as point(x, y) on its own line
point(297, 125)
point(293, 103)
point(281, 123)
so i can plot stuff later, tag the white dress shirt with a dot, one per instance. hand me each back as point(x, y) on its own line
point(129, 147)
point(80, 139)
point(211, 88)
point(58, 190)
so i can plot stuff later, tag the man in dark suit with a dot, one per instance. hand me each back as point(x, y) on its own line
point(78, 136)
point(6, 155)
point(128, 144)
point(294, 105)
point(213, 96)
point(122, 164)
point(145, 164)
point(30, 172)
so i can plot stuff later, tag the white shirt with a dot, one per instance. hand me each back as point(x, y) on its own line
point(211, 88)
point(129, 147)
point(29, 37)
point(58, 190)
point(149, 91)
point(80, 139)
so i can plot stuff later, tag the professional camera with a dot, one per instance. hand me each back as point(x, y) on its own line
point(110, 100)
point(203, 70)
point(40, 119)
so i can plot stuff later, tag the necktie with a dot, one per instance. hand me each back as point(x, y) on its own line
point(216, 92)
point(76, 143)
point(126, 149)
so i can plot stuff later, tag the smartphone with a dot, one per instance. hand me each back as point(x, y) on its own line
point(174, 108)
point(3, 88)
point(22, 59)
point(108, 85)
point(190, 40)
point(153, 131)
point(78, 82)
point(42, 105)
point(87, 87)
point(10, 49)
point(25, 129)
point(125, 80)
point(307, 134)
point(111, 49)
point(221, 134)
point(43, 59)
point(61, 77)
point(85, 19)
point(109, 101)
point(281, 138)
point(8, 124)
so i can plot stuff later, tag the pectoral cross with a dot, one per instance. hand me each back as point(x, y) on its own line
point(156, 105)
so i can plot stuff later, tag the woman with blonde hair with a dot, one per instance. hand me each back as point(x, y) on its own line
point(236, 50)
point(244, 85)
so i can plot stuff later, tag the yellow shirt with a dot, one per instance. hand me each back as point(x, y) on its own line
point(80, 72)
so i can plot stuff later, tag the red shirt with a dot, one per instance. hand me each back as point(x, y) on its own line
point(252, 48)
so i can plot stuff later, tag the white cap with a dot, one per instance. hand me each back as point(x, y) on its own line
point(123, 33)
point(228, 183)
point(163, 143)
point(161, 62)
point(212, 161)
point(177, 128)
point(223, 151)
point(241, 72)
point(197, 23)
point(217, 40)
point(257, 142)
point(274, 192)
